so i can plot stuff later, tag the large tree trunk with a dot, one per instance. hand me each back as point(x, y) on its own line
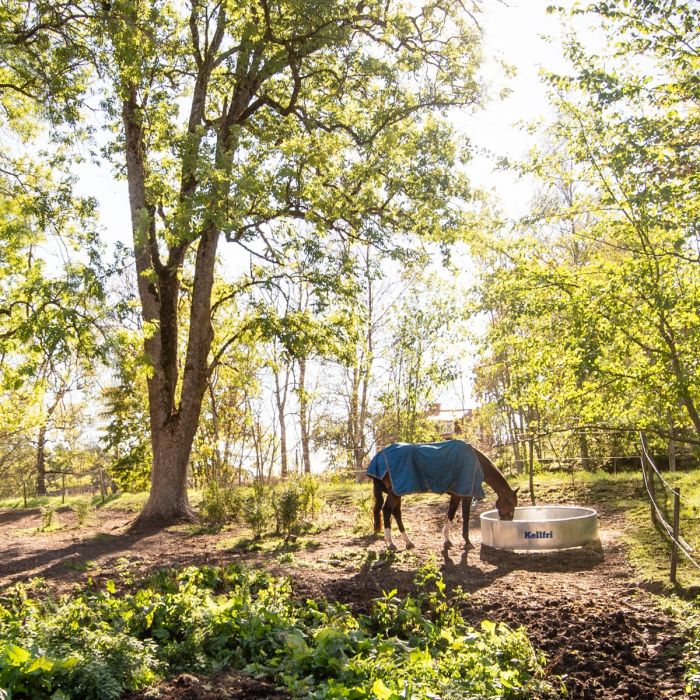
point(173, 424)
point(172, 433)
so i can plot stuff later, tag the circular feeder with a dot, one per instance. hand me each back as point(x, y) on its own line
point(540, 528)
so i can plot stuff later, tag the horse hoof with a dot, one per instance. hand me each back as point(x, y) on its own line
point(468, 545)
point(447, 544)
point(391, 547)
point(410, 545)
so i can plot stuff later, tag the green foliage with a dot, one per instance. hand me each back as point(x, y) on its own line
point(100, 644)
point(257, 509)
point(48, 517)
point(126, 436)
point(82, 511)
point(309, 496)
point(296, 505)
point(221, 504)
point(592, 304)
point(364, 504)
point(424, 340)
point(286, 503)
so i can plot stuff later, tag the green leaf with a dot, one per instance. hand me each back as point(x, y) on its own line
point(380, 690)
point(41, 663)
point(16, 655)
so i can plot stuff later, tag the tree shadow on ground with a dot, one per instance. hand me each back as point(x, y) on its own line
point(19, 565)
point(12, 517)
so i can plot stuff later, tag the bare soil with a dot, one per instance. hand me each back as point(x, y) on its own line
point(601, 631)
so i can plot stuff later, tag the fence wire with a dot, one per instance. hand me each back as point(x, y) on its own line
point(683, 546)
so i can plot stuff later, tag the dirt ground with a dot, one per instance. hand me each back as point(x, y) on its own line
point(600, 629)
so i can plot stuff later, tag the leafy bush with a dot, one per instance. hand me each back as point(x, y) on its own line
point(82, 511)
point(296, 505)
point(257, 510)
point(97, 644)
point(48, 517)
point(286, 504)
point(221, 504)
point(310, 501)
point(364, 516)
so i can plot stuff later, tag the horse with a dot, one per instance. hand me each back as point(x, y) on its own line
point(451, 466)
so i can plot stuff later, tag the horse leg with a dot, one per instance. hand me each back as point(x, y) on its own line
point(378, 503)
point(451, 510)
point(466, 507)
point(399, 522)
point(386, 512)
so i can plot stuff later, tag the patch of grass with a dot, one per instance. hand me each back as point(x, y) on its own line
point(130, 502)
point(287, 558)
point(243, 544)
point(104, 537)
point(17, 503)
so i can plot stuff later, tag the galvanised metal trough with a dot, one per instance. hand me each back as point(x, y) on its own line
point(540, 528)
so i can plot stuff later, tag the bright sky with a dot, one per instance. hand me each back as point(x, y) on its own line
point(514, 33)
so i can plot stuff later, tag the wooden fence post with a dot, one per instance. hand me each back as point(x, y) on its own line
point(676, 532)
point(24, 492)
point(63, 487)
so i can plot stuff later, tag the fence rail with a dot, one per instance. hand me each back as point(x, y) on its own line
point(671, 530)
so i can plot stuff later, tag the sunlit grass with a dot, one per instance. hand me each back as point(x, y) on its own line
point(17, 502)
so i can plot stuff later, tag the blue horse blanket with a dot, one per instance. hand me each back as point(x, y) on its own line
point(450, 466)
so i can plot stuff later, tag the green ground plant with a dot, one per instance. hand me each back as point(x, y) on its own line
point(99, 644)
point(287, 507)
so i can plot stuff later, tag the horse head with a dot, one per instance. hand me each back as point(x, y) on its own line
point(506, 504)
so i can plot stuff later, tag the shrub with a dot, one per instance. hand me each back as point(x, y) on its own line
point(257, 510)
point(221, 504)
point(82, 512)
point(286, 503)
point(310, 502)
point(364, 516)
point(48, 517)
